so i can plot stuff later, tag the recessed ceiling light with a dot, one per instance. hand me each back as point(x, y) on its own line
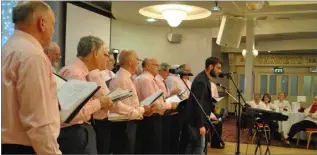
point(269, 51)
point(150, 20)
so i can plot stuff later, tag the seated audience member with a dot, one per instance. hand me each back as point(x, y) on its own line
point(266, 99)
point(272, 124)
point(256, 102)
point(282, 104)
point(31, 118)
point(309, 122)
point(79, 136)
point(54, 55)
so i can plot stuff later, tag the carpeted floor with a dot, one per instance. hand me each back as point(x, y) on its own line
point(229, 135)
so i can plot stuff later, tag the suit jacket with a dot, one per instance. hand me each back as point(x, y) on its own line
point(202, 90)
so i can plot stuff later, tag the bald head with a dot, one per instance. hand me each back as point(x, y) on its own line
point(35, 18)
point(151, 65)
point(128, 60)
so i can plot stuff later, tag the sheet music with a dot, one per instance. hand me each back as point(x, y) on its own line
point(72, 93)
point(119, 94)
point(219, 99)
point(59, 81)
point(149, 100)
point(182, 91)
point(173, 98)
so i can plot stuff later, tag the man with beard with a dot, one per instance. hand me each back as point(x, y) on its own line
point(54, 55)
point(194, 118)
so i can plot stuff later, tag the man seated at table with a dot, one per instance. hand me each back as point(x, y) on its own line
point(256, 102)
point(310, 121)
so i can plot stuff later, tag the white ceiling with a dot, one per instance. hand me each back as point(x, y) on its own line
point(128, 11)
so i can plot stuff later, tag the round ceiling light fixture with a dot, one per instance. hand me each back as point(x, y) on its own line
point(174, 14)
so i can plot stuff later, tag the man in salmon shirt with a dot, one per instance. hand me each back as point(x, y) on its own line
point(79, 136)
point(29, 101)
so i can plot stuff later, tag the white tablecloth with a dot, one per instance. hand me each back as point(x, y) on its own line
point(293, 117)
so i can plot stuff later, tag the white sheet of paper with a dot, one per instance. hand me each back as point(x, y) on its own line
point(152, 98)
point(72, 94)
point(301, 98)
point(218, 99)
point(173, 98)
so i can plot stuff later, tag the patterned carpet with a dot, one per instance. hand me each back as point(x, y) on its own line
point(229, 135)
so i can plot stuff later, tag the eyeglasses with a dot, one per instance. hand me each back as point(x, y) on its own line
point(156, 65)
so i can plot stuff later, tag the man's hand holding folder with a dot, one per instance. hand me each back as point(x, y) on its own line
point(105, 102)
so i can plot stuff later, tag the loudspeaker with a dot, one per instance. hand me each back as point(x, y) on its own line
point(174, 38)
point(230, 31)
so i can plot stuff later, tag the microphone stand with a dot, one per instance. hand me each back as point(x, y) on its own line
point(202, 110)
point(238, 113)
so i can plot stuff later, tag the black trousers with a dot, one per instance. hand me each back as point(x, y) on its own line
point(78, 139)
point(16, 149)
point(149, 135)
point(301, 126)
point(175, 134)
point(167, 123)
point(123, 137)
point(103, 135)
point(215, 141)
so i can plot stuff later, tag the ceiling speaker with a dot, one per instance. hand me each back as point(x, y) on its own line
point(174, 38)
point(230, 31)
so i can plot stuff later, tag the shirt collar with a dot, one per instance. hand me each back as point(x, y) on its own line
point(124, 72)
point(82, 66)
point(148, 74)
point(29, 37)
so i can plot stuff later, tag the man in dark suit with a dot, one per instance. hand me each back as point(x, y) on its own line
point(193, 118)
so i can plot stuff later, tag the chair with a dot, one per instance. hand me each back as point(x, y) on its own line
point(309, 131)
point(265, 128)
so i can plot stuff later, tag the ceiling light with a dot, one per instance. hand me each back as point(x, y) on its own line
point(150, 20)
point(174, 14)
point(244, 52)
point(255, 52)
point(215, 9)
point(174, 17)
point(269, 51)
point(255, 5)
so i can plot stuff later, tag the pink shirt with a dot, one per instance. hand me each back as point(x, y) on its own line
point(79, 71)
point(107, 75)
point(129, 107)
point(161, 84)
point(174, 82)
point(29, 99)
point(146, 86)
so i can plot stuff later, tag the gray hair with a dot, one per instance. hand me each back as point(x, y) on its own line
point(52, 46)
point(164, 66)
point(88, 44)
point(23, 12)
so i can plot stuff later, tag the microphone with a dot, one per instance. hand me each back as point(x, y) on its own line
point(181, 73)
point(222, 75)
point(220, 85)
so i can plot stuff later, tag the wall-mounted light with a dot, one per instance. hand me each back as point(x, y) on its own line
point(254, 52)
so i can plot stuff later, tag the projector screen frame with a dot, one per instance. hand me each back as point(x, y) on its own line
point(63, 20)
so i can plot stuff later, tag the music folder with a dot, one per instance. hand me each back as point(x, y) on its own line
point(151, 99)
point(72, 96)
point(115, 117)
point(118, 94)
